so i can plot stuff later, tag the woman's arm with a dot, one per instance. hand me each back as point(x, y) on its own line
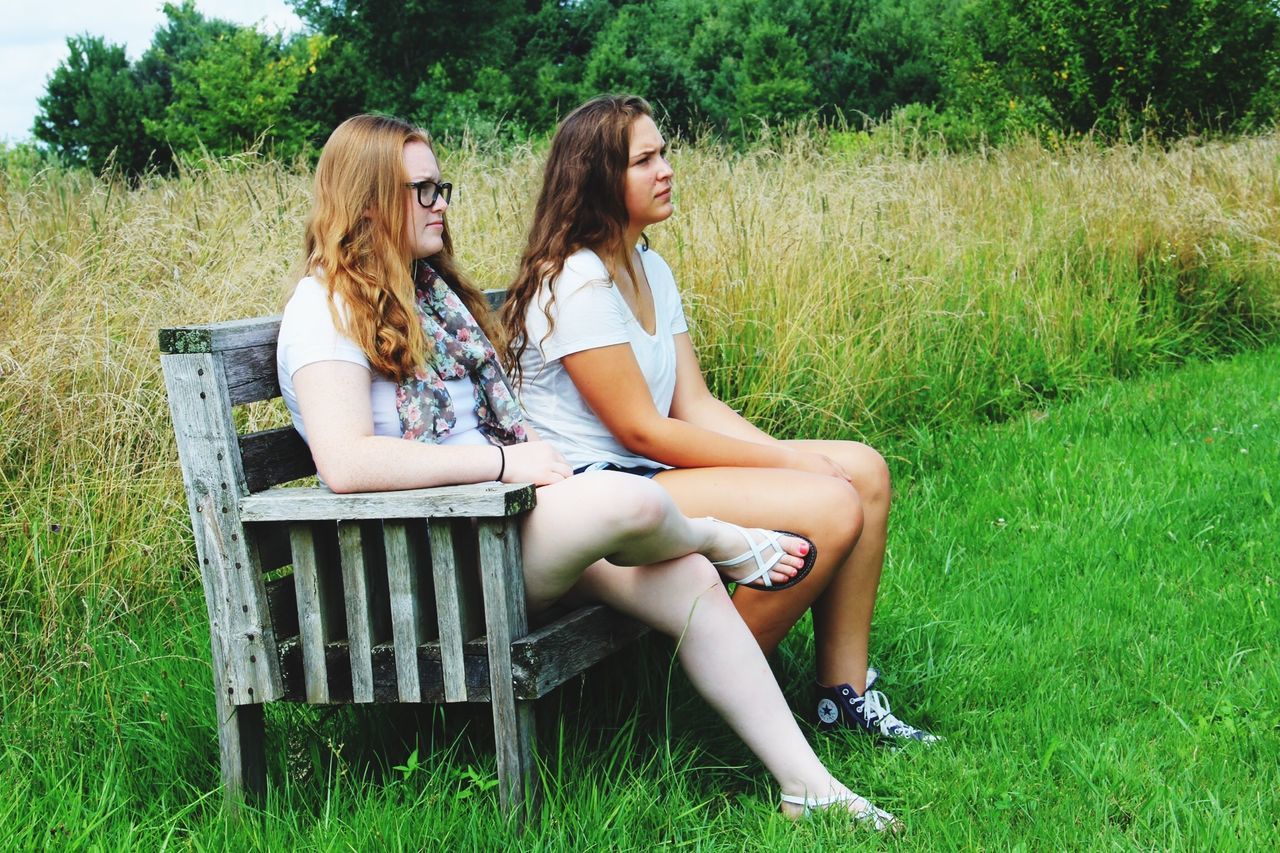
point(694, 403)
point(610, 381)
point(334, 401)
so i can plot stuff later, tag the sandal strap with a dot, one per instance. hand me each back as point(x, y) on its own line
point(756, 548)
point(865, 810)
point(820, 802)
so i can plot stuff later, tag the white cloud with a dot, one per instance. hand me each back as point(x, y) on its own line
point(34, 40)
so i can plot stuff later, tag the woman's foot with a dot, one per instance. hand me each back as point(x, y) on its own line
point(864, 813)
point(758, 558)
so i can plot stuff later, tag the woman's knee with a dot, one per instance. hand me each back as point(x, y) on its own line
point(631, 505)
point(878, 488)
point(870, 474)
point(703, 586)
point(838, 508)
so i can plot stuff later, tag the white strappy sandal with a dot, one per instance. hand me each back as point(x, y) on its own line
point(767, 552)
point(860, 807)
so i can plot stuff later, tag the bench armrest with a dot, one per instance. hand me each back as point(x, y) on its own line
point(481, 500)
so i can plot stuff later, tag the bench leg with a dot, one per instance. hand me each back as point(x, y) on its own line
point(504, 611)
point(242, 751)
point(513, 723)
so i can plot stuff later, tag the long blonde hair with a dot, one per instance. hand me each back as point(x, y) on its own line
point(356, 241)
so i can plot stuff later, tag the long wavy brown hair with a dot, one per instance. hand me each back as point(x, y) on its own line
point(356, 242)
point(582, 205)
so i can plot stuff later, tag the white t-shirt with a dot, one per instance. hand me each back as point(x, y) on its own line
point(590, 313)
point(308, 335)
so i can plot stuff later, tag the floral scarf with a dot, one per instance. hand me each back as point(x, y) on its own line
point(461, 351)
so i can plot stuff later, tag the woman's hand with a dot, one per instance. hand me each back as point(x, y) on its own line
point(817, 463)
point(536, 462)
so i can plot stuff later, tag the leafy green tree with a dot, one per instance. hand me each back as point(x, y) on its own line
point(94, 108)
point(1156, 65)
point(239, 89)
point(185, 35)
point(398, 41)
point(869, 56)
point(638, 51)
point(553, 42)
point(776, 85)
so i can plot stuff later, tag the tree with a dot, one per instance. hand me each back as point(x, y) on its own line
point(396, 42)
point(94, 108)
point(238, 89)
point(1163, 66)
point(185, 35)
point(776, 85)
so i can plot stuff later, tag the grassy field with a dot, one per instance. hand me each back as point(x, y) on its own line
point(1083, 600)
point(1082, 579)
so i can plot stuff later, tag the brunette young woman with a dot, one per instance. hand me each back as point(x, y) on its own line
point(606, 372)
point(385, 364)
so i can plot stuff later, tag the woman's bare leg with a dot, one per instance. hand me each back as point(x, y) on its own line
point(684, 599)
point(842, 615)
point(827, 510)
point(627, 520)
point(681, 597)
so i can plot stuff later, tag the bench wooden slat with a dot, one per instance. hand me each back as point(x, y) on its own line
point(245, 664)
point(451, 611)
point(216, 337)
point(492, 500)
point(356, 591)
point(310, 564)
point(251, 373)
point(403, 543)
point(569, 646)
point(275, 456)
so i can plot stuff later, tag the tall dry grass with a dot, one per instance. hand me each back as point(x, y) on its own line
point(831, 294)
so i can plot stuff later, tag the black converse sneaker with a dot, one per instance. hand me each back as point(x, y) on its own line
point(842, 706)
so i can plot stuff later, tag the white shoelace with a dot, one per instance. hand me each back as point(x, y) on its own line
point(875, 710)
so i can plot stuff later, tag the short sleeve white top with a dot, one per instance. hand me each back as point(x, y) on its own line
point(308, 335)
point(590, 313)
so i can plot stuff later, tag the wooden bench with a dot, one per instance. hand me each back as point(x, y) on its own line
point(410, 596)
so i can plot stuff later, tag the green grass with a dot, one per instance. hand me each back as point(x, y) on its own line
point(1082, 599)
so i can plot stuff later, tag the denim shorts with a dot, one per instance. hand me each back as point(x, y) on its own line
point(645, 471)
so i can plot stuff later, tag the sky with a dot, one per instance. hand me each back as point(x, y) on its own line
point(33, 40)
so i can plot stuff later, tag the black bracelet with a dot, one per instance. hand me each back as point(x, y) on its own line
point(503, 469)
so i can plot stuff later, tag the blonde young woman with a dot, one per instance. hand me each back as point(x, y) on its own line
point(598, 342)
point(386, 366)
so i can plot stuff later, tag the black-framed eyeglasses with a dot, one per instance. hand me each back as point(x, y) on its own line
point(429, 191)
